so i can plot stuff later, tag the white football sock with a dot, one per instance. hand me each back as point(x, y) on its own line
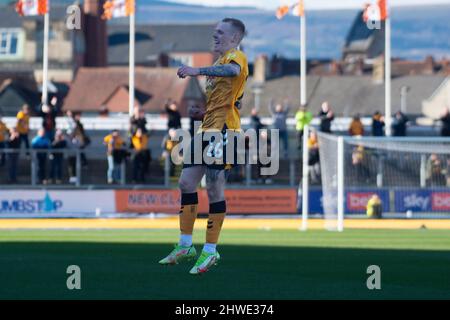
point(185, 240)
point(210, 247)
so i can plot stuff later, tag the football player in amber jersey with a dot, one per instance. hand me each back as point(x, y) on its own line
point(225, 85)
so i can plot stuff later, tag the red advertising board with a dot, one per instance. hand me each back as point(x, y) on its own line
point(440, 201)
point(265, 201)
point(357, 201)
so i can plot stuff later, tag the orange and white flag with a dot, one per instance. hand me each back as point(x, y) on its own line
point(297, 9)
point(281, 12)
point(118, 9)
point(383, 9)
point(32, 7)
point(375, 12)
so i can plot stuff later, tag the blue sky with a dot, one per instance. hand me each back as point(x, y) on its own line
point(312, 4)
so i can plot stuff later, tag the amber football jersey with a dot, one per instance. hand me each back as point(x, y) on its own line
point(224, 93)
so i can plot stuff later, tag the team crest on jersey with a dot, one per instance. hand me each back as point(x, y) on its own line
point(231, 56)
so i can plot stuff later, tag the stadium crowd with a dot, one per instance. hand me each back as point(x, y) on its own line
point(51, 143)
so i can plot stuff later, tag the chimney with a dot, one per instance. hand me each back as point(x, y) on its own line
point(429, 65)
point(95, 34)
point(378, 70)
point(260, 70)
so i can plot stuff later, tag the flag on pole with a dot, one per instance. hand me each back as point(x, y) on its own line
point(32, 7)
point(297, 9)
point(281, 12)
point(118, 9)
point(383, 9)
point(376, 12)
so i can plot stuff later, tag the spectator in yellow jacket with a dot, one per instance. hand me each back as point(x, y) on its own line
point(114, 143)
point(23, 125)
point(141, 157)
point(374, 207)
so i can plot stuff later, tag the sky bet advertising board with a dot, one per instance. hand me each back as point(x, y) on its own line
point(422, 201)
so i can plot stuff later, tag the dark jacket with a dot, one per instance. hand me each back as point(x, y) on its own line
point(445, 131)
point(255, 123)
point(49, 118)
point(325, 122)
point(399, 125)
point(80, 134)
point(58, 145)
point(377, 126)
point(137, 123)
point(14, 143)
point(174, 120)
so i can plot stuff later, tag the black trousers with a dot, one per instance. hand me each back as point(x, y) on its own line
point(42, 166)
point(56, 167)
point(140, 166)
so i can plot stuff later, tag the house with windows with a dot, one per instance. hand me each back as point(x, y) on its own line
point(21, 52)
point(21, 44)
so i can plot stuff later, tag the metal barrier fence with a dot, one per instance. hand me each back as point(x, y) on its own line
point(244, 175)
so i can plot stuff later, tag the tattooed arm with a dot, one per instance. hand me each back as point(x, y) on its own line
point(225, 70)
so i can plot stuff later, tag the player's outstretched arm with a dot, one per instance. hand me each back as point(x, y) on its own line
point(225, 70)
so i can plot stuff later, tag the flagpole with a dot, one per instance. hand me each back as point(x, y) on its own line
point(132, 64)
point(303, 60)
point(45, 60)
point(387, 73)
point(305, 175)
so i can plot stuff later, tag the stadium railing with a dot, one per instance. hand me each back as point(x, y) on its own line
point(161, 172)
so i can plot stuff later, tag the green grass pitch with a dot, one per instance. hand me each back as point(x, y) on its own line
point(256, 264)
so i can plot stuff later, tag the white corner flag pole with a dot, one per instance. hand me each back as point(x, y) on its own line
point(45, 60)
point(305, 156)
point(340, 185)
point(132, 64)
point(305, 180)
point(387, 73)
